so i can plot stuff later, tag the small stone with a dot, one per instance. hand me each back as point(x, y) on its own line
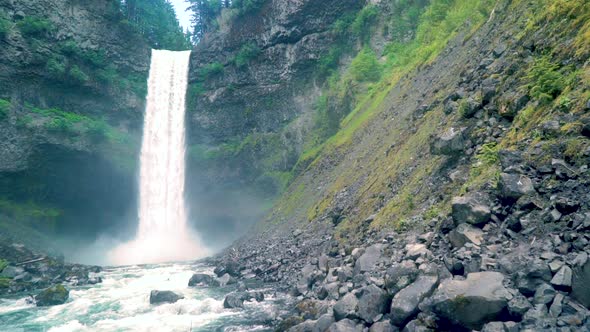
point(544, 294)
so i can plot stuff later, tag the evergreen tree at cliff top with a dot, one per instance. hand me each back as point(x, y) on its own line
point(156, 21)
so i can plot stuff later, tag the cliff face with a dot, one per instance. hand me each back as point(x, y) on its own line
point(72, 89)
point(251, 103)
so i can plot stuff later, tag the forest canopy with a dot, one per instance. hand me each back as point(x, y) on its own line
point(156, 21)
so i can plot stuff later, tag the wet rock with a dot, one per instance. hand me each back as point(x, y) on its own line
point(469, 210)
point(372, 302)
point(514, 186)
point(201, 279)
point(52, 296)
point(157, 297)
point(346, 307)
point(235, 300)
point(405, 303)
point(472, 302)
point(451, 142)
point(400, 275)
point(306, 326)
point(465, 233)
point(11, 271)
point(345, 325)
point(226, 279)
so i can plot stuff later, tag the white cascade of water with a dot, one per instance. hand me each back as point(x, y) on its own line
point(163, 233)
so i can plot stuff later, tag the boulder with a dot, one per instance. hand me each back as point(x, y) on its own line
point(400, 275)
point(201, 279)
point(451, 142)
point(369, 259)
point(157, 297)
point(563, 278)
point(405, 303)
point(11, 271)
point(514, 186)
point(384, 326)
point(52, 296)
point(346, 307)
point(469, 210)
point(372, 302)
point(226, 279)
point(580, 282)
point(236, 300)
point(472, 302)
point(416, 250)
point(323, 323)
point(345, 325)
point(465, 233)
point(544, 294)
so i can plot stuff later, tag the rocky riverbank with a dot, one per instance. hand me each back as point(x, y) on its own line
point(23, 271)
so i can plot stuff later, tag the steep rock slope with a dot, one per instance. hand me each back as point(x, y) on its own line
point(72, 88)
point(474, 165)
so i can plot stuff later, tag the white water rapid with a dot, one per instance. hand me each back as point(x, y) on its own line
point(163, 234)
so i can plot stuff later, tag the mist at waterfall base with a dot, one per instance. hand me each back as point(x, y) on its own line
point(163, 234)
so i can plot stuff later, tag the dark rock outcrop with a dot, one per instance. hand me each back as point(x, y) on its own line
point(157, 297)
point(52, 296)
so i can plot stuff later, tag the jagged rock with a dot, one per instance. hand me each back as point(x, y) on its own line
point(513, 186)
point(201, 279)
point(580, 282)
point(345, 325)
point(323, 323)
point(400, 275)
point(372, 302)
point(384, 326)
point(236, 300)
point(368, 260)
point(157, 297)
point(55, 295)
point(416, 250)
point(465, 233)
point(531, 275)
point(563, 278)
point(518, 305)
point(544, 294)
point(306, 326)
point(557, 306)
point(469, 210)
point(405, 303)
point(346, 307)
point(416, 326)
point(472, 302)
point(451, 142)
point(225, 279)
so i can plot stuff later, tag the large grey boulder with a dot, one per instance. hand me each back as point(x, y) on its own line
point(236, 300)
point(465, 233)
point(52, 296)
point(581, 282)
point(405, 303)
point(157, 297)
point(451, 142)
point(400, 275)
point(563, 278)
point(470, 210)
point(346, 307)
point(369, 259)
point(514, 186)
point(201, 279)
point(372, 303)
point(472, 302)
point(345, 325)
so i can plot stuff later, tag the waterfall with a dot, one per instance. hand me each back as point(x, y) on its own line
point(163, 234)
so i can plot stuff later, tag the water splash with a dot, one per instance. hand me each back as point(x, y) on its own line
point(163, 233)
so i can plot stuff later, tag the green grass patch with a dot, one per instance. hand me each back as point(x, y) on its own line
point(247, 52)
point(5, 106)
point(32, 26)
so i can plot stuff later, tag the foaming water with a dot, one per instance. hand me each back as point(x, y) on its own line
point(121, 303)
point(163, 234)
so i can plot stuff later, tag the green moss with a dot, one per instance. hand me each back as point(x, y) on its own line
point(364, 20)
point(247, 52)
point(210, 70)
point(365, 67)
point(5, 106)
point(32, 26)
point(3, 264)
point(4, 282)
point(5, 27)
